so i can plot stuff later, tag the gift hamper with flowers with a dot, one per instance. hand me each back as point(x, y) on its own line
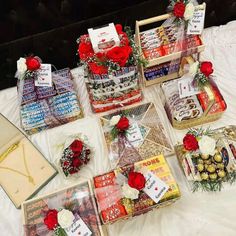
point(164, 46)
point(110, 58)
point(208, 158)
point(66, 212)
point(134, 134)
point(47, 99)
point(135, 189)
point(205, 104)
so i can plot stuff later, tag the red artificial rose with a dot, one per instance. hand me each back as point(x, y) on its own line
point(97, 69)
point(51, 219)
point(76, 147)
point(66, 163)
point(190, 142)
point(124, 40)
point(85, 50)
point(32, 63)
point(136, 180)
point(123, 124)
point(206, 68)
point(119, 28)
point(72, 171)
point(119, 55)
point(179, 9)
point(76, 163)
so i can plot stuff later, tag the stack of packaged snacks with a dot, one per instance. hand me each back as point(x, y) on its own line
point(110, 60)
point(43, 107)
point(135, 189)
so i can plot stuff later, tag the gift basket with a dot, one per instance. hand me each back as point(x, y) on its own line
point(47, 99)
point(135, 189)
point(134, 134)
point(69, 211)
point(164, 46)
point(206, 104)
point(208, 158)
point(110, 58)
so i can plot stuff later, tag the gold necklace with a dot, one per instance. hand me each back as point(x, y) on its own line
point(5, 155)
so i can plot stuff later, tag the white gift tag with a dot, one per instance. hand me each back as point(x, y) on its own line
point(196, 24)
point(155, 188)
point(134, 135)
point(78, 228)
point(186, 87)
point(44, 76)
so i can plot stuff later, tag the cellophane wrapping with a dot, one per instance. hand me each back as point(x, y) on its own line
point(46, 107)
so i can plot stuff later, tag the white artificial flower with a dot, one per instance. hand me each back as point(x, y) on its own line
point(65, 218)
point(194, 68)
point(129, 192)
point(21, 65)
point(114, 120)
point(189, 10)
point(207, 145)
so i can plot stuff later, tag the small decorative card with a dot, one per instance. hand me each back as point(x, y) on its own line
point(70, 211)
point(143, 138)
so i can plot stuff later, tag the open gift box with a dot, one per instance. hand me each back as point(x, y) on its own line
point(117, 200)
point(206, 106)
point(23, 169)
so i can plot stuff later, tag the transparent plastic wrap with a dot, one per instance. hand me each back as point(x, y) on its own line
point(116, 199)
point(43, 107)
point(143, 138)
point(78, 199)
point(75, 154)
point(207, 158)
point(113, 80)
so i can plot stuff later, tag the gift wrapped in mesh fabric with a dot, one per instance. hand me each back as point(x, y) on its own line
point(135, 189)
point(47, 99)
point(205, 104)
point(110, 58)
point(134, 134)
point(165, 45)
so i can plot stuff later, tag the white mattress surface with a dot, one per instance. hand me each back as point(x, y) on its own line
point(195, 214)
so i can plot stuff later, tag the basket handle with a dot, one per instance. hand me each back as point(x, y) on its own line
point(207, 88)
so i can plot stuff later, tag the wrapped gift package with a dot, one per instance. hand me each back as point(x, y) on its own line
point(146, 136)
point(23, 169)
point(206, 106)
point(162, 48)
point(160, 189)
point(43, 107)
point(78, 199)
point(209, 172)
point(111, 68)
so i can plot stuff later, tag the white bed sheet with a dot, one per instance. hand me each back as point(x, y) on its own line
point(195, 214)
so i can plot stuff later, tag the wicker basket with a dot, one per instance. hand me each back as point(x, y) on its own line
point(165, 58)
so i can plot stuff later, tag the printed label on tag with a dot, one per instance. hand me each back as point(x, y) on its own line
point(186, 88)
point(78, 228)
point(196, 24)
point(155, 188)
point(134, 135)
point(44, 76)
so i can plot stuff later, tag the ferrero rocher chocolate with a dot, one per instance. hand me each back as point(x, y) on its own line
point(218, 158)
point(221, 173)
point(205, 157)
point(213, 176)
point(204, 176)
point(211, 168)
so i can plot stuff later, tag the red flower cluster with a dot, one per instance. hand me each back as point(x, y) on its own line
point(206, 68)
point(75, 156)
point(51, 219)
point(190, 142)
point(123, 124)
point(179, 9)
point(32, 63)
point(119, 54)
point(136, 180)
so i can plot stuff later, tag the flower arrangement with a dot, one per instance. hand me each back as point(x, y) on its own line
point(124, 55)
point(208, 162)
point(58, 221)
point(27, 67)
point(76, 155)
point(201, 72)
point(182, 10)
